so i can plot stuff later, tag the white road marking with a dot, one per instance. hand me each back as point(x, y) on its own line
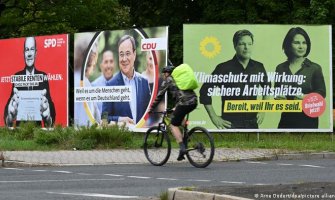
point(314, 166)
point(284, 164)
point(40, 170)
point(61, 180)
point(168, 179)
point(199, 180)
point(255, 162)
point(261, 184)
point(233, 182)
point(96, 195)
point(139, 177)
point(64, 172)
point(13, 168)
point(116, 175)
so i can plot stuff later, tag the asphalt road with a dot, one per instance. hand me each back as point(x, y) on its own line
point(143, 180)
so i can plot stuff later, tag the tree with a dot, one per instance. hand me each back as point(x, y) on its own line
point(41, 17)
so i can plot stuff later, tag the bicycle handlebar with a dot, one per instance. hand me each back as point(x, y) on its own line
point(167, 111)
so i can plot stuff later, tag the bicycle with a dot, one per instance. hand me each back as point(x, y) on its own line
point(198, 142)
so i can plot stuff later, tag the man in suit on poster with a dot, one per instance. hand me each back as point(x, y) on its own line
point(30, 72)
point(129, 112)
point(241, 63)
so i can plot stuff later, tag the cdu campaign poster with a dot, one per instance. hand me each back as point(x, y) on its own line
point(117, 76)
point(34, 80)
point(261, 78)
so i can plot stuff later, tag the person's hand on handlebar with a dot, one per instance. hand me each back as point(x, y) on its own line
point(170, 110)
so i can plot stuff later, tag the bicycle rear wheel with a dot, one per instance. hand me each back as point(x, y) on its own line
point(157, 146)
point(200, 147)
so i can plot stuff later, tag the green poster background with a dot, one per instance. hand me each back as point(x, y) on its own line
point(205, 46)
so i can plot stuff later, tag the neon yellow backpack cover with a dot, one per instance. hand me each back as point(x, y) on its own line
point(184, 77)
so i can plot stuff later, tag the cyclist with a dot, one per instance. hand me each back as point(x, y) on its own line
point(185, 102)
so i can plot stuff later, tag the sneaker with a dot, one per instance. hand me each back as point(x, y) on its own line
point(181, 155)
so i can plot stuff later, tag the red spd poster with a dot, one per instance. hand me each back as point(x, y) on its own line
point(33, 80)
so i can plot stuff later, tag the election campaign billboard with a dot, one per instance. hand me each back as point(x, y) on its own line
point(34, 80)
point(270, 78)
point(117, 75)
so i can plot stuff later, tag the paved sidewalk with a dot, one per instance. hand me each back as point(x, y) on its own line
point(136, 156)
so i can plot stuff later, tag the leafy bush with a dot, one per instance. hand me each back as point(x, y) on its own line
point(83, 138)
point(58, 135)
point(42, 137)
point(25, 131)
point(101, 137)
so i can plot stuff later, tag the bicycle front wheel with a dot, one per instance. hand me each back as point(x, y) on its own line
point(200, 147)
point(157, 146)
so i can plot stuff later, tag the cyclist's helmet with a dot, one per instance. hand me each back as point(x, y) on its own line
point(168, 69)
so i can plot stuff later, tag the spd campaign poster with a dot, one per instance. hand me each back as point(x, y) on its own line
point(261, 78)
point(117, 75)
point(34, 80)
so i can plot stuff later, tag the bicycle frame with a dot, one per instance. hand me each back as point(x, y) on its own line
point(166, 121)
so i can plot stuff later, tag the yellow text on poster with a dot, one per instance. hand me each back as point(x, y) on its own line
point(262, 106)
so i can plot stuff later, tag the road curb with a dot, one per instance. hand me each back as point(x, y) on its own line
point(30, 160)
point(15, 163)
point(180, 194)
point(300, 156)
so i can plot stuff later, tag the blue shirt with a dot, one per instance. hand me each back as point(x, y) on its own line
point(101, 81)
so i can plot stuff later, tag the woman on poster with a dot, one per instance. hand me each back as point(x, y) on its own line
point(297, 46)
